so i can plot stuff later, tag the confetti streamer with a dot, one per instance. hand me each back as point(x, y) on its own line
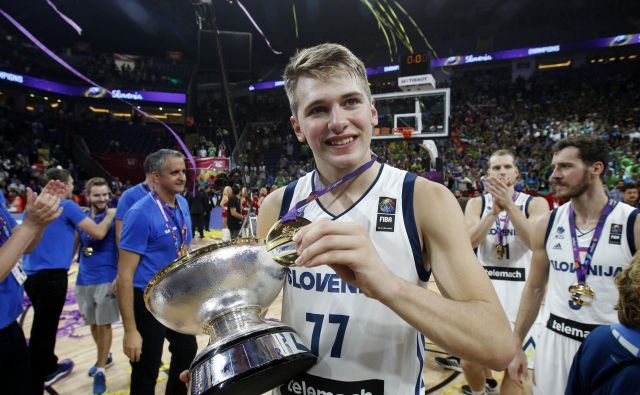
point(78, 74)
point(258, 28)
point(70, 21)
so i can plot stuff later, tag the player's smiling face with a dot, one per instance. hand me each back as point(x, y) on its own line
point(335, 117)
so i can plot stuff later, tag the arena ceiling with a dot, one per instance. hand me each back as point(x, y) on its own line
point(152, 27)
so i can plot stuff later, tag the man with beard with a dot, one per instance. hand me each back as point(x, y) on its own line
point(155, 231)
point(630, 194)
point(95, 286)
point(500, 224)
point(578, 249)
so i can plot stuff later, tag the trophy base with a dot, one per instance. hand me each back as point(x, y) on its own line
point(252, 364)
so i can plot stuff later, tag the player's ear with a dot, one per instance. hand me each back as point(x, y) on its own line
point(296, 129)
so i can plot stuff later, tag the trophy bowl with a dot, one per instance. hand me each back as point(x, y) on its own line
point(224, 290)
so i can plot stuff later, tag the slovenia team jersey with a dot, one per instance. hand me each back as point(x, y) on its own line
point(363, 347)
point(613, 253)
point(508, 274)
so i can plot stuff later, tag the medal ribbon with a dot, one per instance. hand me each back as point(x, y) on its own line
point(298, 209)
point(166, 210)
point(502, 231)
point(583, 268)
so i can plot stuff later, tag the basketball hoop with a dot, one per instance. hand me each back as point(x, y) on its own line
point(407, 134)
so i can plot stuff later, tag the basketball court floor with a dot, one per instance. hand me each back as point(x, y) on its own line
point(74, 341)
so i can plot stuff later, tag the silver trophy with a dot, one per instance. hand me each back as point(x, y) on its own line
point(224, 290)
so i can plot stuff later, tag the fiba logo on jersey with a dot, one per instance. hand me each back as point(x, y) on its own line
point(386, 214)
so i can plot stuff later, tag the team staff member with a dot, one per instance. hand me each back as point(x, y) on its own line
point(377, 234)
point(46, 285)
point(500, 225)
point(156, 231)
point(15, 367)
point(95, 285)
point(577, 251)
point(132, 195)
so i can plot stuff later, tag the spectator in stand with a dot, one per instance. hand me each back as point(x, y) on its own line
point(630, 194)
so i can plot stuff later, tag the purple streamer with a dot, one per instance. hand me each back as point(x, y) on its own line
point(258, 28)
point(70, 21)
point(78, 74)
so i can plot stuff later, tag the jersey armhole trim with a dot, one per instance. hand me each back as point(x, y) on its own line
point(286, 198)
point(631, 239)
point(552, 218)
point(408, 186)
point(483, 205)
point(526, 206)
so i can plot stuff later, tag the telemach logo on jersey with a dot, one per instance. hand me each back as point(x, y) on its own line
point(386, 214)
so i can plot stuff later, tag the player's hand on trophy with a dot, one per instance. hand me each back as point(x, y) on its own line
point(517, 368)
point(184, 376)
point(132, 345)
point(347, 249)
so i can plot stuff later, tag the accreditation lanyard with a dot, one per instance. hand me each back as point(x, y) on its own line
point(298, 209)
point(583, 268)
point(6, 232)
point(166, 211)
point(502, 230)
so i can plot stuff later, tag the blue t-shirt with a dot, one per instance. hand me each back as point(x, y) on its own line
point(11, 293)
point(55, 249)
point(102, 266)
point(129, 198)
point(145, 232)
point(598, 354)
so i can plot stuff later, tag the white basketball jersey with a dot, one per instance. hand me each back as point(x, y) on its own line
point(509, 273)
point(613, 253)
point(363, 347)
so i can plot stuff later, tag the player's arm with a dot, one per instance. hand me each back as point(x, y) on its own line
point(478, 227)
point(132, 342)
point(118, 229)
point(531, 298)
point(40, 211)
point(269, 212)
point(479, 330)
point(98, 231)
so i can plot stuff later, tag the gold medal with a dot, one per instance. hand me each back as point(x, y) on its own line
point(183, 250)
point(500, 251)
point(580, 290)
point(87, 251)
point(279, 240)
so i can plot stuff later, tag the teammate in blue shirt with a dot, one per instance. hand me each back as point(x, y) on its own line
point(95, 285)
point(608, 361)
point(46, 284)
point(132, 195)
point(15, 368)
point(155, 231)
